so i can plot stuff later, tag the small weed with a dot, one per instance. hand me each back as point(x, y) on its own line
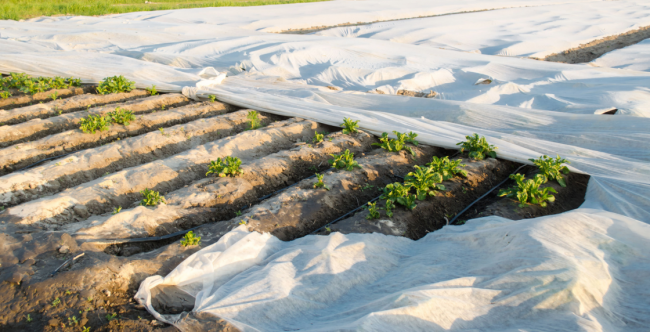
point(477, 147)
point(152, 90)
point(85, 329)
point(344, 161)
point(373, 212)
point(255, 122)
point(229, 166)
point(349, 126)
point(151, 198)
point(162, 107)
point(5, 94)
point(447, 168)
point(367, 186)
point(121, 116)
point(73, 321)
point(117, 210)
point(68, 292)
point(111, 316)
point(115, 84)
point(94, 123)
point(329, 230)
point(317, 138)
point(424, 181)
point(552, 169)
point(461, 222)
point(529, 191)
point(60, 112)
point(55, 95)
point(58, 164)
point(190, 239)
point(213, 98)
point(89, 299)
point(319, 183)
point(29, 318)
point(56, 302)
point(238, 213)
point(242, 222)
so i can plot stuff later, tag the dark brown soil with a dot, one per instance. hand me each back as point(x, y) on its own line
point(567, 198)
point(434, 212)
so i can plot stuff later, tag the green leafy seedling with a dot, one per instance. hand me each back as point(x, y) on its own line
point(390, 206)
point(344, 160)
point(317, 138)
point(121, 116)
point(398, 193)
point(447, 168)
point(115, 84)
point(190, 239)
point(229, 166)
point(373, 212)
point(319, 183)
point(238, 213)
point(56, 302)
point(399, 144)
point(29, 318)
point(254, 120)
point(151, 198)
point(213, 98)
point(349, 126)
point(55, 95)
point(152, 90)
point(85, 329)
point(94, 123)
point(477, 147)
point(425, 181)
point(110, 317)
point(552, 169)
point(529, 191)
point(117, 210)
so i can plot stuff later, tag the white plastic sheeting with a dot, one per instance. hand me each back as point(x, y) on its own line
point(575, 271)
point(634, 57)
point(584, 270)
point(532, 32)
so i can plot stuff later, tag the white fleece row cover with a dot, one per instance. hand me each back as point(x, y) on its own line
point(584, 270)
point(634, 57)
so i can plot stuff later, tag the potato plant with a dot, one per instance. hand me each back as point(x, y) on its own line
point(29, 85)
point(399, 144)
point(344, 161)
point(254, 120)
point(152, 90)
point(151, 198)
point(115, 84)
point(447, 168)
point(425, 181)
point(319, 182)
point(349, 126)
point(94, 123)
point(477, 147)
point(400, 194)
point(529, 191)
point(5, 94)
point(121, 116)
point(373, 212)
point(213, 98)
point(318, 138)
point(552, 169)
point(190, 239)
point(229, 166)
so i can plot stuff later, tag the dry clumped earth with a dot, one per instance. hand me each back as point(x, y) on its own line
point(67, 194)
